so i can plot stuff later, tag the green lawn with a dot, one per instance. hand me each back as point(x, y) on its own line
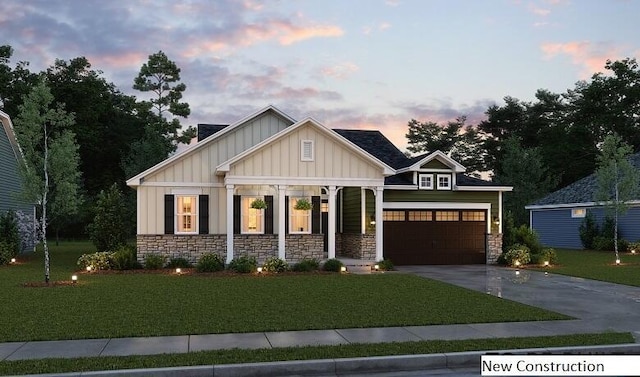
point(123, 305)
point(303, 353)
point(598, 265)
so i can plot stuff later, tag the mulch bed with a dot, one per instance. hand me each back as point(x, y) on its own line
point(51, 284)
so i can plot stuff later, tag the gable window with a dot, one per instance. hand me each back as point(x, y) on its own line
point(306, 150)
point(299, 219)
point(444, 182)
point(186, 213)
point(579, 212)
point(252, 218)
point(425, 181)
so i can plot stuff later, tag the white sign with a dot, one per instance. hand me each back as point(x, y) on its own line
point(560, 365)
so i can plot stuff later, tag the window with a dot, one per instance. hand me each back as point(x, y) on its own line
point(252, 219)
point(579, 212)
point(425, 181)
point(447, 216)
point(473, 216)
point(420, 216)
point(306, 150)
point(299, 219)
point(186, 214)
point(444, 182)
point(393, 216)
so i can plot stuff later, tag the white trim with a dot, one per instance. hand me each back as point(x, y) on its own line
point(571, 205)
point(363, 210)
point(229, 216)
point(331, 223)
point(243, 209)
point(455, 166)
point(182, 184)
point(448, 187)
point(499, 213)
point(435, 205)
point(137, 180)
point(282, 189)
point(195, 214)
point(484, 188)
point(425, 187)
point(304, 181)
point(427, 170)
point(11, 135)
point(576, 215)
point(379, 197)
point(309, 217)
point(185, 191)
point(226, 166)
point(303, 156)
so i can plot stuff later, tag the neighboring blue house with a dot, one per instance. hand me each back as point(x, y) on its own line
point(10, 182)
point(557, 217)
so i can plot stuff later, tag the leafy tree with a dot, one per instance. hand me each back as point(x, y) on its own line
point(14, 82)
point(456, 139)
point(617, 178)
point(51, 172)
point(523, 169)
point(109, 230)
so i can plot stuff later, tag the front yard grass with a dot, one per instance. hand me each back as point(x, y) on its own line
point(139, 304)
point(235, 356)
point(598, 265)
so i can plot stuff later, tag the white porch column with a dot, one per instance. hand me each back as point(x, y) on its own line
point(331, 226)
point(229, 223)
point(499, 212)
point(363, 210)
point(281, 221)
point(379, 226)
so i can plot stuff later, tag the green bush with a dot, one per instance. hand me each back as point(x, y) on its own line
point(509, 230)
point(275, 265)
point(154, 261)
point(546, 254)
point(332, 265)
point(243, 265)
point(385, 265)
point(125, 258)
point(9, 234)
point(108, 231)
point(97, 261)
point(179, 263)
point(209, 262)
point(6, 251)
point(306, 265)
point(588, 231)
point(603, 243)
point(527, 237)
point(517, 253)
point(634, 246)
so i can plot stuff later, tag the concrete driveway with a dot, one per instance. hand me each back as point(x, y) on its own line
point(605, 306)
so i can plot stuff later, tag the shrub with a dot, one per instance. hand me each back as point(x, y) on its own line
point(125, 258)
point(243, 264)
point(332, 264)
point(603, 243)
point(634, 246)
point(209, 262)
point(154, 261)
point(97, 261)
point(509, 229)
point(517, 253)
point(385, 265)
point(9, 233)
point(6, 251)
point(276, 265)
point(588, 231)
point(546, 254)
point(306, 265)
point(108, 231)
point(179, 263)
point(523, 235)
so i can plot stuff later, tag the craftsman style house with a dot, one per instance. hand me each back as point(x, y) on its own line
point(270, 186)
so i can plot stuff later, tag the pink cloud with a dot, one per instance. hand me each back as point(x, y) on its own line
point(591, 56)
point(289, 33)
point(340, 71)
point(124, 60)
point(537, 10)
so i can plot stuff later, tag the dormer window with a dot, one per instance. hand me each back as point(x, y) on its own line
point(306, 150)
point(425, 181)
point(444, 182)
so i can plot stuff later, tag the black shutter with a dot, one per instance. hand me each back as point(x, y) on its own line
point(169, 209)
point(203, 216)
point(236, 214)
point(286, 215)
point(268, 215)
point(315, 214)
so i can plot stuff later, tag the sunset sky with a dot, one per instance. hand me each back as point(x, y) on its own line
point(372, 64)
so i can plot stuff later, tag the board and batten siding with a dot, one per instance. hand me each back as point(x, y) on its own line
point(556, 227)
point(281, 158)
point(199, 166)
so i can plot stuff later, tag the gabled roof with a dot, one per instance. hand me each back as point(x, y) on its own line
point(136, 180)
point(414, 164)
point(581, 191)
point(387, 170)
point(8, 129)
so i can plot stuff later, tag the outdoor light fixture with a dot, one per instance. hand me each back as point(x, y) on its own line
point(376, 267)
point(546, 273)
point(88, 268)
point(517, 272)
point(617, 261)
point(74, 278)
point(546, 263)
point(496, 220)
point(633, 251)
point(372, 220)
point(178, 270)
point(13, 260)
point(343, 269)
point(259, 270)
point(516, 263)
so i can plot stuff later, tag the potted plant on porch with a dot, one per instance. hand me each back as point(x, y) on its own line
point(303, 204)
point(258, 204)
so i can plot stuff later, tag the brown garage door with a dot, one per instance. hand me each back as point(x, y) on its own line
point(434, 236)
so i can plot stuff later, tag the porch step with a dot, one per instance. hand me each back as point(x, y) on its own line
point(360, 270)
point(358, 266)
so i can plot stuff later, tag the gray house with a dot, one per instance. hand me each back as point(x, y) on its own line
point(557, 217)
point(10, 183)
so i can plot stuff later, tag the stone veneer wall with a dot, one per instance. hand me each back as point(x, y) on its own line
point(358, 246)
point(494, 247)
point(259, 246)
point(301, 246)
point(189, 247)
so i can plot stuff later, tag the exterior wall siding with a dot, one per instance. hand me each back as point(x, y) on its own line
point(556, 227)
point(434, 164)
point(351, 221)
point(282, 159)
point(11, 186)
